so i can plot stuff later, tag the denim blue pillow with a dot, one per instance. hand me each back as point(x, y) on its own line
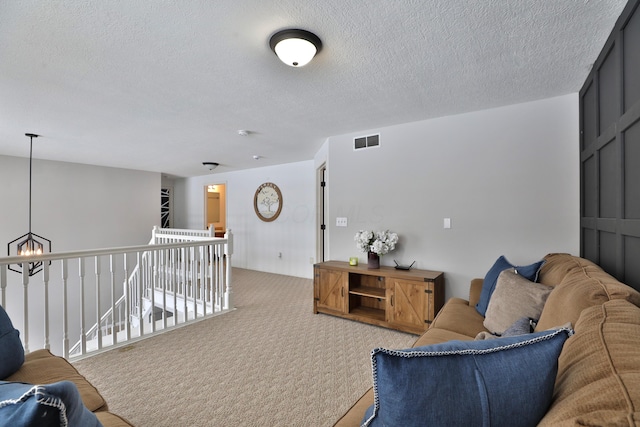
point(57, 404)
point(505, 381)
point(530, 272)
point(11, 350)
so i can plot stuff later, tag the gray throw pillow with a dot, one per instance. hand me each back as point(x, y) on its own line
point(514, 298)
point(522, 326)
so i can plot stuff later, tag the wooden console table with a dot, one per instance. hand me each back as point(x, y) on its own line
point(396, 299)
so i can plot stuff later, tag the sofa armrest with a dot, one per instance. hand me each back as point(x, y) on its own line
point(42, 367)
point(475, 288)
point(355, 414)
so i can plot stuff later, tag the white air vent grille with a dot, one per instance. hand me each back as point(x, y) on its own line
point(366, 142)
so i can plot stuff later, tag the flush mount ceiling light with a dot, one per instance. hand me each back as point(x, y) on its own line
point(211, 165)
point(295, 47)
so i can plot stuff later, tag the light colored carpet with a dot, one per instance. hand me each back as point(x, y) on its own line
point(271, 362)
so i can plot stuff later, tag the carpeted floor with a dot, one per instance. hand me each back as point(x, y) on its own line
point(270, 362)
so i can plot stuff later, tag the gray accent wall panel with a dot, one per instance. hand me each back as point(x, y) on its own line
point(610, 153)
point(631, 50)
point(589, 126)
point(632, 172)
point(608, 92)
point(609, 181)
point(632, 266)
point(589, 193)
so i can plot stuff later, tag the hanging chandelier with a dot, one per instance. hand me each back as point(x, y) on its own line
point(30, 243)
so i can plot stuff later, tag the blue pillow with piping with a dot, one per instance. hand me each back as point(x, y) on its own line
point(530, 272)
point(57, 404)
point(11, 350)
point(505, 381)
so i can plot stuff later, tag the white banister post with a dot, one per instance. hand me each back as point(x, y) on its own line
point(195, 266)
point(212, 230)
point(25, 302)
point(154, 235)
point(45, 279)
point(65, 308)
point(83, 337)
point(139, 294)
point(99, 329)
point(112, 268)
point(228, 297)
point(185, 278)
point(175, 253)
point(163, 285)
point(127, 299)
point(154, 284)
point(220, 276)
point(3, 285)
point(202, 283)
point(194, 280)
point(212, 281)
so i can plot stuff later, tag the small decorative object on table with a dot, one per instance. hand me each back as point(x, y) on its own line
point(403, 267)
point(375, 244)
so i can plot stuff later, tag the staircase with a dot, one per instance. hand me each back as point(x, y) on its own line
point(185, 284)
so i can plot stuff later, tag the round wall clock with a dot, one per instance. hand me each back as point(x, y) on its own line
point(268, 201)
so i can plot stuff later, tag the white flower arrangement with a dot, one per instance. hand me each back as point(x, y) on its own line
point(381, 242)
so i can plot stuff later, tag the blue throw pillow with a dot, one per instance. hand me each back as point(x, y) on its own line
point(11, 350)
point(530, 272)
point(505, 381)
point(57, 404)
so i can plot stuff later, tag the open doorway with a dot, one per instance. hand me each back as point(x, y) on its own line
point(215, 208)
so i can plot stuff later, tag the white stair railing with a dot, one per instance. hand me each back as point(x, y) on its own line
point(187, 275)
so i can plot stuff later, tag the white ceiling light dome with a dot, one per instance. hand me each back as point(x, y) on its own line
point(295, 47)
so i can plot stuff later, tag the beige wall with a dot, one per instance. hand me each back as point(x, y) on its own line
point(507, 177)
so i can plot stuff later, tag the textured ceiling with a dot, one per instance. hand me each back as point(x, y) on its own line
point(165, 85)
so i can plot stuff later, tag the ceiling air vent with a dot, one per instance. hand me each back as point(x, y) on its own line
point(366, 142)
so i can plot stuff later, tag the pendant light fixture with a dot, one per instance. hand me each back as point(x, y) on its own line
point(295, 47)
point(27, 244)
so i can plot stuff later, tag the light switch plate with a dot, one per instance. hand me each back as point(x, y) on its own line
point(447, 223)
point(341, 221)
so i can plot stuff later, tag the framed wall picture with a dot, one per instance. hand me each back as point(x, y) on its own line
point(267, 202)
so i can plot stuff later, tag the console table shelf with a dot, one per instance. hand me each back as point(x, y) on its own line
point(369, 292)
point(397, 299)
point(368, 312)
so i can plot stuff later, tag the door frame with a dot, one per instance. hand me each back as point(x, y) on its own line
point(223, 200)
point(322, 191)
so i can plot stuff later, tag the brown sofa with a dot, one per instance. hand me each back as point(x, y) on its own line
point(42, 367)
point(598, 379)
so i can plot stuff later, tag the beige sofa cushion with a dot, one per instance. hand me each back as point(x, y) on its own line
point(582, 287)
point(42, 367)
point(598, 381)
point(459, 317)
point(557, 266)
point(437, 335)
